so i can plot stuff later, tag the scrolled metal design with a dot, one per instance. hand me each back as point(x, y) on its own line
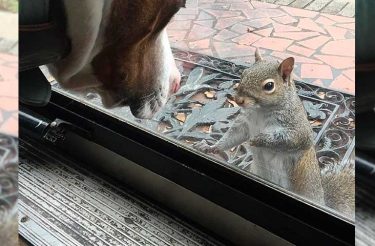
point(331, 113)
point(328, 158)
point(204, 109)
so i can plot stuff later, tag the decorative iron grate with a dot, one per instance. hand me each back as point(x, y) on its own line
point(203, 109)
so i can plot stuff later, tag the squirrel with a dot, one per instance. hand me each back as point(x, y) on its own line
point(274, 122)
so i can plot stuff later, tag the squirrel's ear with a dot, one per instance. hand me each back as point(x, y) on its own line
point(258, 57)
point(286, 68)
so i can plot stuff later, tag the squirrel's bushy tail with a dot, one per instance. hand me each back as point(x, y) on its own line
point(339, 190)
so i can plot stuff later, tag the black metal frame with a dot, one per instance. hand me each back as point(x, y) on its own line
point(277, 212)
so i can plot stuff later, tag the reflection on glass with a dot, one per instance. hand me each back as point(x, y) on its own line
point(204, 109)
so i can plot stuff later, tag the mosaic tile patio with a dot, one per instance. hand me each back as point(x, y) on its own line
point(322, 44)
point(336, 7)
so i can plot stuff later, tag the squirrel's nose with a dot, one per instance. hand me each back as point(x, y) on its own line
point(239, 100)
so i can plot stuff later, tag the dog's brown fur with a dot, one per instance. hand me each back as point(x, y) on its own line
point(129, 49)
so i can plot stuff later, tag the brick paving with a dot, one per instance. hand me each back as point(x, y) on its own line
point(322, 44)
point(334, 7)
point(8, 74)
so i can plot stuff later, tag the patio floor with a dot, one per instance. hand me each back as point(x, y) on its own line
point(322, 44)
point(335, 7)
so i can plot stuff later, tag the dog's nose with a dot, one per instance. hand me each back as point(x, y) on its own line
point(175, 79)
point(175, 85)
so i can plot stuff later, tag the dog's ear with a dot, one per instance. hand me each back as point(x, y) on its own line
point(167, 11)
point(82, 81)
point(102, 67)
point(177, 3)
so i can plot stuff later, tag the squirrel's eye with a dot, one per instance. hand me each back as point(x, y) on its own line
point(269, 86)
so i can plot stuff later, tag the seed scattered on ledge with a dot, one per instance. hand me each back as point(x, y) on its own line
point(316, 123)
point(204, 128)
point(195, 105)
point(210, 94)
point(181, 117)
point(321, 94)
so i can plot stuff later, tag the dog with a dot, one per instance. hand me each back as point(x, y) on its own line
point(120, 49)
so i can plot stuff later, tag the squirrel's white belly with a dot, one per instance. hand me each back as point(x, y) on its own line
point(270, 165)
point(256, 122)
point(273, 166)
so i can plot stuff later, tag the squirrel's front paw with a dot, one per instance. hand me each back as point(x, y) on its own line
point(251, 142)
point(205, 148)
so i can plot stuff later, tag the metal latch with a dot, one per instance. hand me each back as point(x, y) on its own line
point(56, 131)
point(40, 127)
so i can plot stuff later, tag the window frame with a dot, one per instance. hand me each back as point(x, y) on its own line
point(250, 198)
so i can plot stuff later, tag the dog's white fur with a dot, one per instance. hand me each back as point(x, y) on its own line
point(86, 24)
point(164, 73)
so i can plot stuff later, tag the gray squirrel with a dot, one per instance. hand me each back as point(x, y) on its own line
point(274, 122)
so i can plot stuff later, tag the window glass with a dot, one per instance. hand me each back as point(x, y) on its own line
point(204, 109)
point(303, 145)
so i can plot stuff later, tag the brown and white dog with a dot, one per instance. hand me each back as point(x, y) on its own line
point(120, 48)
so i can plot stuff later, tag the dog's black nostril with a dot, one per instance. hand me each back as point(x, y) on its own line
point(135, 108)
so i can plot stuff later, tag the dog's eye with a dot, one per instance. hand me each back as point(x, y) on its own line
point(123, 76)
point(269, 86)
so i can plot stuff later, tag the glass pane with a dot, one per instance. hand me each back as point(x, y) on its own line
point(273, 148)
point(204, 109)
